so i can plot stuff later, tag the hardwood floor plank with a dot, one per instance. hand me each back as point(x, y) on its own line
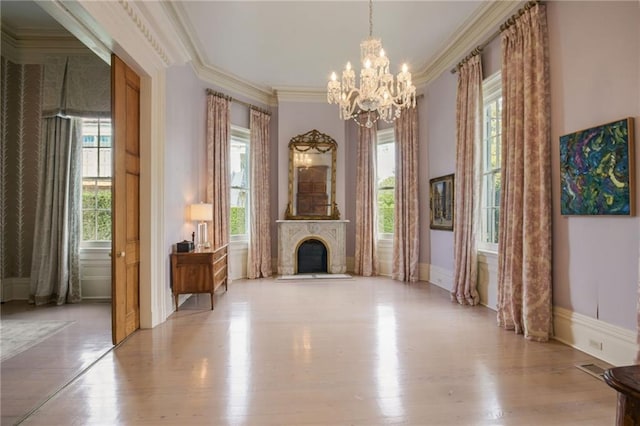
point(359, 352)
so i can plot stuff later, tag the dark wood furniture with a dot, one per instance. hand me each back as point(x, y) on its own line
point(626, 380)
point(200, 271)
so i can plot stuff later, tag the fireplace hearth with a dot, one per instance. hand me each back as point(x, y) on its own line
point(293, 234)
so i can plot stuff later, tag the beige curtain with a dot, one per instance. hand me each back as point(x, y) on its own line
point(218, 140)
point(405, 228)
point(524, 260)
point(366, 256)
point(55, 272)
point(468, 134)
point(259, 259)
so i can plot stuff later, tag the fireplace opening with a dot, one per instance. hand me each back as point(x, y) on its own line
point(312, 257)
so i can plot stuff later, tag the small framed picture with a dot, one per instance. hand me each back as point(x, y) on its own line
point(441, 201)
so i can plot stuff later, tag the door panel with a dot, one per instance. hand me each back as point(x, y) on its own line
point(125, 100)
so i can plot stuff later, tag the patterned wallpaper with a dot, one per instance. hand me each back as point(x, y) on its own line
point(20, 118)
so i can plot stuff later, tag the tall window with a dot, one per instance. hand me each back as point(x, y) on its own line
point(386, 177)
point(490, 161)
point(239, 183)
point(96, 179)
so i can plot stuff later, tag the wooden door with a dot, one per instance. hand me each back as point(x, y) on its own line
point(125, 110)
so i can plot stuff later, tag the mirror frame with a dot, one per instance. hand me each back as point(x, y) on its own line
point(322, 143)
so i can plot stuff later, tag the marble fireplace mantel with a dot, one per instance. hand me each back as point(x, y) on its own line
point(292, 233)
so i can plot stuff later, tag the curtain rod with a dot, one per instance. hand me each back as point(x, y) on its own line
point(509, 22)
point(230, 99)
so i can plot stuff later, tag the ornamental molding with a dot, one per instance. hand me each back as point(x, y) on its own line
point(226, 80)
point(478, 28)
point(300, 94)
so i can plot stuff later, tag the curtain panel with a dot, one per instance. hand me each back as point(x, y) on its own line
point(406, 243)
point(55, 272)
point(366, 255)
point(525, 250)
point(259, 257)
point(467, 178)
point(218, 140)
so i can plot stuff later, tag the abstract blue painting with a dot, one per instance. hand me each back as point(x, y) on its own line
point(597, 170)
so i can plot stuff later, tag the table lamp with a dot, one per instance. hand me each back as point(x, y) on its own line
point(203, 213)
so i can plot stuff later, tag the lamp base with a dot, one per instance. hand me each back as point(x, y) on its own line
point(203, 236)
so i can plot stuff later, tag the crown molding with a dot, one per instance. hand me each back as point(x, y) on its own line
point(300, 94)
point(223, 79)
point(33, 47)
point(473, 32)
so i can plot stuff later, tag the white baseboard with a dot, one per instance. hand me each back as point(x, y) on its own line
point(612, 344)
point(441, 277)
point(423, 272)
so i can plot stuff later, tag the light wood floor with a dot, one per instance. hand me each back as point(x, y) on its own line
point(350, 352)
point(30, 377)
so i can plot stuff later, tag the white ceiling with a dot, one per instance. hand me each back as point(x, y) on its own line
point(295, 43)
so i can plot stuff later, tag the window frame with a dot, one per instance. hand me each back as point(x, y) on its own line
point(98, 141)
point(384, 136)
point(242, 135)
point(491, 93)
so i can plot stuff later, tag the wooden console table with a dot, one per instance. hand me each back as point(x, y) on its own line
point(626, 380)
point(200, 271)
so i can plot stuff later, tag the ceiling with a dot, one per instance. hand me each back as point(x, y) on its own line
point(294, 44)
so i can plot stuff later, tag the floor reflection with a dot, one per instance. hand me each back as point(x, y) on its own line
point(239, 363)
point(387, 369)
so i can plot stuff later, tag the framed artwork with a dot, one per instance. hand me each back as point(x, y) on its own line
point(597, 170)
point(441, 201)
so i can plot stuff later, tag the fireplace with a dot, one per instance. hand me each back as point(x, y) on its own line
point(294, 234)
point(312, 257)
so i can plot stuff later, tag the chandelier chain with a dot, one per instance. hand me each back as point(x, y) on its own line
point(370, 18)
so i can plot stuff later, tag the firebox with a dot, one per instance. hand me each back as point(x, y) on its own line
point(312, 257)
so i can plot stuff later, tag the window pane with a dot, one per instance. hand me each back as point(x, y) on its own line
point(238, 220)
point(89, 189)
point(104, 225)
point(386, 209)
point(238, 164)
point(496, 220)
point(496, 189)
point(89, 162)
point(88, 225)
point(105, 162)
point(386, 161)
point(104, 195)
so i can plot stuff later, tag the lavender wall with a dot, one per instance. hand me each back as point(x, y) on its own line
point(185, 149)
point(184, 152)
point(595, 78)
point(440, 129)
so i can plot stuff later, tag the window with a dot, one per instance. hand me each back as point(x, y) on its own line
point(386, 176)
point(96, 180)
point(239, 183)
point(490, 162)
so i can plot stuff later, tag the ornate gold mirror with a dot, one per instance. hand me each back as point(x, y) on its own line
point(312, 177)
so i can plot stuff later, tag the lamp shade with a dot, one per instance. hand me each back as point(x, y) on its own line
point(201, 212)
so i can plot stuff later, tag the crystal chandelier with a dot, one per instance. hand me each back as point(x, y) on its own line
point(378, 96)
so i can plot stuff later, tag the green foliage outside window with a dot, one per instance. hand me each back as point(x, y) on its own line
point(96, 215)
point(386, 205)
point(238, 221)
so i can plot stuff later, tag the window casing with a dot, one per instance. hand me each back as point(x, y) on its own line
point(96, 182)
point(490, 161)
point(239, 184)
point(386, 183)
